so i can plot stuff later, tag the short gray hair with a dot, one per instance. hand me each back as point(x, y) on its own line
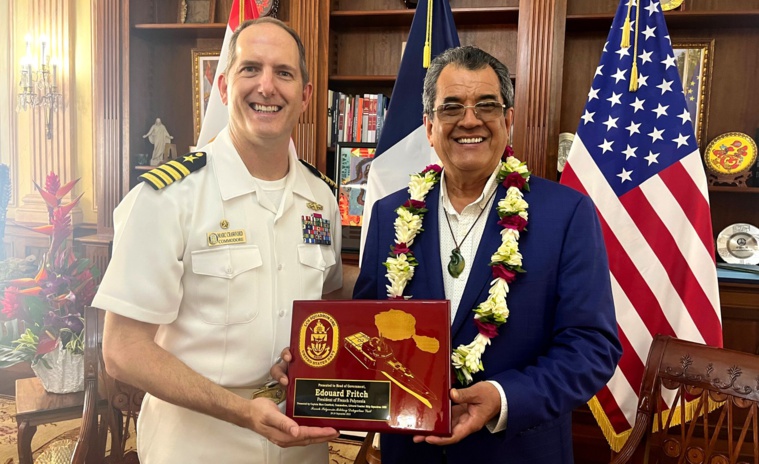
point(472, 59)
point(268, 20)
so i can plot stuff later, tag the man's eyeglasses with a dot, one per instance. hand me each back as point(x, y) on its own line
point(484, 110)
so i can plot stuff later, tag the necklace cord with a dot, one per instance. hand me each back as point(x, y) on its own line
point(458, 247)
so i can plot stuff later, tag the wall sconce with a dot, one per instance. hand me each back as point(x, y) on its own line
point(38, 83)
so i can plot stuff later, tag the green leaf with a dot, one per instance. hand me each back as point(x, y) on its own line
point(10, 357)
point(37, 308)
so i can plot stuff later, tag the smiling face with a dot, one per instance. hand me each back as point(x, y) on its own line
point(264, 89)
point(469, 148)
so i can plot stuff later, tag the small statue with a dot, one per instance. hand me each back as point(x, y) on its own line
point(159, 137)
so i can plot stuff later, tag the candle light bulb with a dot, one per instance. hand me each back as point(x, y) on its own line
point(28, 39)
point(54, 64)
point(24, 71)
point(43, 47)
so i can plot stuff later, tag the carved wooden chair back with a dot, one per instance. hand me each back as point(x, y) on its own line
point(98, 419)
point(713, 394)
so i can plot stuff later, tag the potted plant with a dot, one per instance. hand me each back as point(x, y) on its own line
point(49, 307)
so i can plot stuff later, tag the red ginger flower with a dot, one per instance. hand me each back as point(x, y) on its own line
point(11, 303)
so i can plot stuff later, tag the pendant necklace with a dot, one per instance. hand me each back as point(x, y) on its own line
point(456, 264)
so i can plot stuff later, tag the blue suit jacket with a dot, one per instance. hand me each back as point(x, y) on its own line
point(559, 345)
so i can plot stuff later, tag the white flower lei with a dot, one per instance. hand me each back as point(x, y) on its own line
point(506, 262)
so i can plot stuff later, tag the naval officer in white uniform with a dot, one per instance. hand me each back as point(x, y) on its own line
point(209, 253)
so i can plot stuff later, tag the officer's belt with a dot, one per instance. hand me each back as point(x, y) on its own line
point(272, 390)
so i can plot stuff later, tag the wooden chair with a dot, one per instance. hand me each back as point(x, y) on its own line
point(714, 395)
point(122, 408)
point(367, 454)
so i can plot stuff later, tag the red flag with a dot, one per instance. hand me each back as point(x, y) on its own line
point(636, 156)
point(216, 116)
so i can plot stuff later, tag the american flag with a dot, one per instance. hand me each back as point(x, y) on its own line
point(635, 154)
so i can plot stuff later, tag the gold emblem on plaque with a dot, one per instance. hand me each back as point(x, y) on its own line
point(375, 353)
point(319, 339)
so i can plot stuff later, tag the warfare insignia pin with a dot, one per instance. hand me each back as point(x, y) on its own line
point(314, 206)
point(316, 230)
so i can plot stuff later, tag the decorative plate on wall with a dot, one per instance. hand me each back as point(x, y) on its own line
point(667, 5)
point(267, 7)
point(730, 153)
point(739, 244)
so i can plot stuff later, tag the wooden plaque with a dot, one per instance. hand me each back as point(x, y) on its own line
point(380, 366)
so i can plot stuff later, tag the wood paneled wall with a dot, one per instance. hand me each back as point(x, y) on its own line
point(537, 97)
point(310, 18)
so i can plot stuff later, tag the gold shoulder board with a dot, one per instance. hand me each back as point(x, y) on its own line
point(319, 174)
point(174, 170)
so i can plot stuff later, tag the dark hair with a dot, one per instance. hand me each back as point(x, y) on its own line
point(268, 20)
point(472, 59)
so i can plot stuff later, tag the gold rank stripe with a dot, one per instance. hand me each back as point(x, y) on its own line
point(174, 170)
point(179, 167)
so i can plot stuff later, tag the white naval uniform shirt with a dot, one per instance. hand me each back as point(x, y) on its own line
point(225, 310)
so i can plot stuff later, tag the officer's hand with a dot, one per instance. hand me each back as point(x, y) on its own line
point(278, 371)
point(475, 406)
point(269, 422)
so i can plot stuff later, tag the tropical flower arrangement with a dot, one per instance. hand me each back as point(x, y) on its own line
point(49, 307)
point(506, 261)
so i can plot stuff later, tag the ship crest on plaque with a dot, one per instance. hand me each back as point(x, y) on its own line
point(319, 339)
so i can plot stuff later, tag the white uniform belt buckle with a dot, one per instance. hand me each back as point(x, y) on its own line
point(271, 390)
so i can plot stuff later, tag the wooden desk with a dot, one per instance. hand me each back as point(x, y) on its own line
point(35, 406)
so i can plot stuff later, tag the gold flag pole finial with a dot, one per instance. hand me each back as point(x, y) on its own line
point(634, 70)
point(428, 37)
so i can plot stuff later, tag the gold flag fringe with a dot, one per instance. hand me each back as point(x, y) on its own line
point(617, 440)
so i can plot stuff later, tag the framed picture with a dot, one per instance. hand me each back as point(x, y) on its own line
point(197, 11)
point(204, 64)
point(694, 63)
point(265, 7)
point(352, 163)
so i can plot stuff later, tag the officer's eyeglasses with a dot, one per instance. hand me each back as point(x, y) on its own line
point(484, 110)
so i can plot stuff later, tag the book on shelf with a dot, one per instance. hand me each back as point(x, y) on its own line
point(330, 95)
point(355, 118)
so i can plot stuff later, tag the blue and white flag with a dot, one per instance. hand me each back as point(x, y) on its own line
point(403, 148)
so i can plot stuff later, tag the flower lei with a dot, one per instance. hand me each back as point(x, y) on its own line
point(505, 263)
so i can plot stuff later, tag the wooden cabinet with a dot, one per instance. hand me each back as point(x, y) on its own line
point(160, 74)
point(159, 71)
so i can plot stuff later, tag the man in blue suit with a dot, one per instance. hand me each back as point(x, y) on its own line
point(558, 345)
